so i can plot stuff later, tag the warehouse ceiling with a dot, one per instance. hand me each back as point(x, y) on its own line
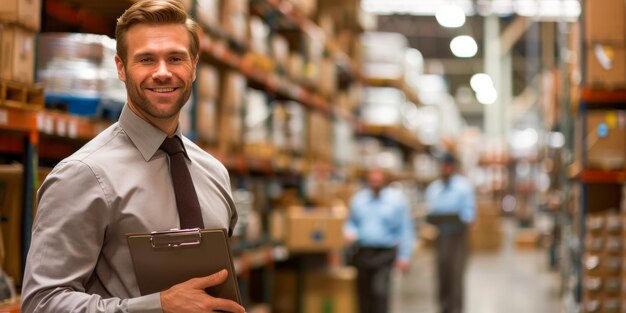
point(534, 47)
point(433, 41)
point(426, 35)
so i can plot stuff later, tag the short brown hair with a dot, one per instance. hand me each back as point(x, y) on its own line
point(155, 12)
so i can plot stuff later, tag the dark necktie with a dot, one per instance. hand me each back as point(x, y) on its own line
point(186, 198)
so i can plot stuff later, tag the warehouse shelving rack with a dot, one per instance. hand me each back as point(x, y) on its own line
point(590, 178)
point(45, 134)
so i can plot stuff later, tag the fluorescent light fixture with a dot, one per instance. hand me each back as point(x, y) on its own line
point(412, 7)
point(483, 86)
point(544, 10)
point(556, 140)
point(450, 16)
point(463, 46)
point(502, 7)
point(487, 96)
point(524, 139)
point(480, 82)
point(549, 9)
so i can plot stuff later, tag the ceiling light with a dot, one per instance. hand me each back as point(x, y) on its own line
point(463, 46)
point(480, 82)
point(487, 96)
point(556, 140)
point(544, 10)
point(450, 15)
point(524, 139)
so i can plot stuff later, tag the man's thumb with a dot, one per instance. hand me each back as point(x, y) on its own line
point(211, 280)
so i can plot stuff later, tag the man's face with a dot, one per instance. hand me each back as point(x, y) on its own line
point(159, 70)
point(376, 179)
point(447, 169)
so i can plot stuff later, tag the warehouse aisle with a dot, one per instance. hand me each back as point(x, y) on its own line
point(509, 280)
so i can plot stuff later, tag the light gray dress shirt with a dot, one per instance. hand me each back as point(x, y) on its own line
point(118, 183)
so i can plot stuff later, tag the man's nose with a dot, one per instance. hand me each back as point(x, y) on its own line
point(162, 71)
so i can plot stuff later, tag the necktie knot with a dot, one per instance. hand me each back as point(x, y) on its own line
point(172, 145)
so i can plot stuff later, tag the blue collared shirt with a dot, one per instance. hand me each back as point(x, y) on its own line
point(455, 197)
point(383, 222)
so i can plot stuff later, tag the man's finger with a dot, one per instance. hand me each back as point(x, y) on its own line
point(225, 305)
point(209, 281)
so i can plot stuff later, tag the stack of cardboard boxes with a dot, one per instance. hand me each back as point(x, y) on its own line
point(19, 21)
point(602, 263)
point(486, 231)
point(601, 136)
point(11, 217)
point(603, 46)
point(309, 230)
point(601, 151)
point(11, 208)
point(328, 290)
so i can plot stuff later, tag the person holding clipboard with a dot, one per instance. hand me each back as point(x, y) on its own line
point(451, 204)
point(139, 176)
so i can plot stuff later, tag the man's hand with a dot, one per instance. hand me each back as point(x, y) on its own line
point(350, 238)
point(190, 296)
point(402, 265)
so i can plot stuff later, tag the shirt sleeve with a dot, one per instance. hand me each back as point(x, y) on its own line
point(350, 226)
point(67, 238)
point(468, 209)
point(407, 232)
point(234, 216)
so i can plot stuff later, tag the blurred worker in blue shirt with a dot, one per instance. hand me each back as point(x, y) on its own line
point(381, 226)
point(451, 196)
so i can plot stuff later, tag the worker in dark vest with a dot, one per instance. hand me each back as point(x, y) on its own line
point(451, 205)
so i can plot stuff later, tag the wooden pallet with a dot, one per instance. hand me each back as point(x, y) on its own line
point(21, 95)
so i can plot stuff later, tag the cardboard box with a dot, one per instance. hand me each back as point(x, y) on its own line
point(11, 213)
point(331, 290)
point(308, 7)
point(314, 230)
point(527, 238)
point(257, 123)
point(230, 107)
point(278, 225)
point(234, 19)
point(207, 12)
point(206, 120)
point(605, 139)
point(11, 208)
point(486, 231)
point(327, 84)
point(207, 106)
point(604, 20)
point(17, 60)
point(208, 81)
point(285, 297)
point(280, 51)
point(606, 65)
point(24, 12)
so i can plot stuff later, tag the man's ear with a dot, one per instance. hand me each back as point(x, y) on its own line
point(195, 67)
point(121, 73)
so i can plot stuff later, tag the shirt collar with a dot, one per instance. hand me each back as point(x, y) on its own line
point(146, 137)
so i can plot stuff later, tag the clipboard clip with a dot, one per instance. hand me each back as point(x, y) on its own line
point(175, 238)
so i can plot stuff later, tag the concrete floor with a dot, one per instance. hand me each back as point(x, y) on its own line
point(505, 281)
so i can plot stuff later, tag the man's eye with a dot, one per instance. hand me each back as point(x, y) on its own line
point(145, 60)
point(176, 60)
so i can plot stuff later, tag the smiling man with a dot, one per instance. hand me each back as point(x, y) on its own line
point(120, 183)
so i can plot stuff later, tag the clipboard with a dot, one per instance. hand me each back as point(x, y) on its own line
point(443, 218)
point(163, 259)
